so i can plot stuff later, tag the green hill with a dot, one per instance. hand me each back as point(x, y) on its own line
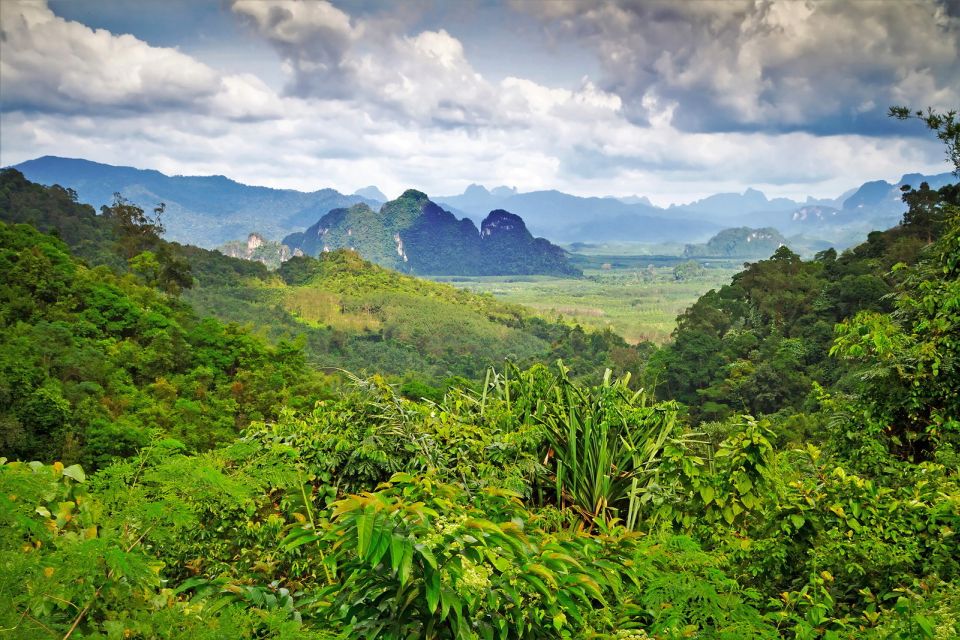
point(345, 313)
point(355, 315)
point(741, 242)
point(413, 235)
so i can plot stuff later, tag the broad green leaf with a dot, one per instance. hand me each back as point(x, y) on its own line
point(76, 472)
point(364, 531)
point(432, 585)
point(706, 493)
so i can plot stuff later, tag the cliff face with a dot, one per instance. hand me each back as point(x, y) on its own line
point(414, 235)
point(259, 249)
point(512, 248)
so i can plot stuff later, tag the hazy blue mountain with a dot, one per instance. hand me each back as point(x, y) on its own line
point(881, 196)
point(475, 201)
point(371, 193)
point(414, 235)
point(874, 205)
point(726, 206)
point(206, 211)
point(568, 218)
point(635, 199)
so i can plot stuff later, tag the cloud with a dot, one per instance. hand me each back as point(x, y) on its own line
point(423, 77)
point(372, 101)
point(314, 39)
point(825, 66)
point(52, 64)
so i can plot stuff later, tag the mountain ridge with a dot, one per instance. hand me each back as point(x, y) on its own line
point(413, 234)
point(207, 211)
point(212, 210)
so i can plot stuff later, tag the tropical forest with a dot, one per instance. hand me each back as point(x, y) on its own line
point(501, 415)
point(785, 466)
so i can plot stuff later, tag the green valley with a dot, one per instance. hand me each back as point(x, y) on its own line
point(195, 446)
point(639, 302)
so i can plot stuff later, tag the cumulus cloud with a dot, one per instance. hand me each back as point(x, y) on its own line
point(314, 39)
point(372, 102)
point(424, 77)
point(821, 66)
point(53, 64)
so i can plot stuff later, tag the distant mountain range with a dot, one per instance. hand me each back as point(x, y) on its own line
point(206, 211)
point(371, 193)
point(413, 235)
point(211, 210)
point(568, 218)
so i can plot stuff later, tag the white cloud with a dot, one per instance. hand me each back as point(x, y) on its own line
point(779, 63)
point(370, 104)
point(58, 65)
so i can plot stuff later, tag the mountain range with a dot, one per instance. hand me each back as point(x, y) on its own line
point(211, 210)
point(414, 235)
point(206, 211)
point(566, 218)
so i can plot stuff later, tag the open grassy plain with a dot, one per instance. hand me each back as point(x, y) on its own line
point(636, 296)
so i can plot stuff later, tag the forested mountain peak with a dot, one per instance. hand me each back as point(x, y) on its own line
point(415, 235)
point(499, 221)
point(741, 242)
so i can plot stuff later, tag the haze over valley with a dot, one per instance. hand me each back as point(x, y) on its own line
point(211, 210)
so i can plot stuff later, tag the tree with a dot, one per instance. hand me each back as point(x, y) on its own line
point(688, 270)
point(136, 230)
point(946, 125)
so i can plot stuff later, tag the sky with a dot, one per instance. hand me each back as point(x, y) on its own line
point(669, 100)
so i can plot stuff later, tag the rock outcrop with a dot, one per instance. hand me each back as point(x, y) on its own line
point(414, 235)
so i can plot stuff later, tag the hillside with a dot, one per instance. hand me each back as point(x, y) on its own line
point(203, 210)
point(742, 242)
point(346, 312)
point(790, 456)
point(95, 364)
point(414, 235)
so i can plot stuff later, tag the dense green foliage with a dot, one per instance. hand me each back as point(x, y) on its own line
point(529, 506)
point(760, 343)
point(376, 516)
point(92, 364)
